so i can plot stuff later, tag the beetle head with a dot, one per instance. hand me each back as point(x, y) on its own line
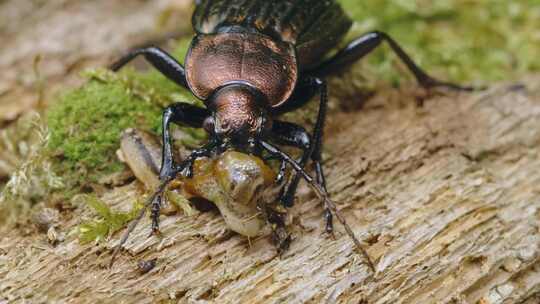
point(239, 114)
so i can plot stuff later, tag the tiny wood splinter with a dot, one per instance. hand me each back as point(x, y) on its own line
point(250, 62)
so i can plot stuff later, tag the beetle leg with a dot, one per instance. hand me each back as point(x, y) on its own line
point(280, 237)
point(364, 45)
point(290, 134)
point(179, 113)
point(160, 59)
point(317, 159)
point(187, 165)
point(182, 114)
point(321, 193)
point(281, 173)
point(316, 152)
point(316, 155)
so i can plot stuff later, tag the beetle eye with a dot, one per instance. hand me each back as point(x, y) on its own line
point(224, 126)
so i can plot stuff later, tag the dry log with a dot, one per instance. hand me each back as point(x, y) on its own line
point(445, 196)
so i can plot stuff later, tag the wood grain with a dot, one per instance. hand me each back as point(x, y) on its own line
point(446, 195)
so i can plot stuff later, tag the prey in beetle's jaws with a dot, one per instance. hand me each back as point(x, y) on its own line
point(241, 186)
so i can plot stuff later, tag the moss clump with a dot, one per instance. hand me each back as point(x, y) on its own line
point(465, 41)
point(107, 223)
point(86, 124)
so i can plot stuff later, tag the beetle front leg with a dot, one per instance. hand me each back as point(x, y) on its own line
point(317, 159)
point(187, 164)
point(290, 134)
point(160, 59)
point(316, 154)
point(280, 237)
point(364, 45)
point(309, 87)
point(182, 114)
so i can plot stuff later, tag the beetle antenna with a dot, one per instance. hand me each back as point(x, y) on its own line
point(323, 195)
point(136, 220)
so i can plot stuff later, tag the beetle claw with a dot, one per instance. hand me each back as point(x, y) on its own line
point(283, 243)
point(329, 221)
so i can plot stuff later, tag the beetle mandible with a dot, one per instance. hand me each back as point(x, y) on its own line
point(251, 61)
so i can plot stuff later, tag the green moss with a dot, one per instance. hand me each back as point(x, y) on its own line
point(86, 123)
point(107, 223)
point(464, 41)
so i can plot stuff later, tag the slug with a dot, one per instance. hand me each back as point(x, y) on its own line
point(241, 186)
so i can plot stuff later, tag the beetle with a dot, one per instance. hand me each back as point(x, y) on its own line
point(251, 61)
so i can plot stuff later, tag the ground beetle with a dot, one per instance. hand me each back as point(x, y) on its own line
point(251, 61)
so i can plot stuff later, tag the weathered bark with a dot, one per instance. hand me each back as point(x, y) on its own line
point(446, 195)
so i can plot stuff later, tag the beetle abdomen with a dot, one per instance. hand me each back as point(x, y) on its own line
point(218, 59)
point(312, 26)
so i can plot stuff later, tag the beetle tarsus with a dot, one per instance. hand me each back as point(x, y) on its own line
point(280, 237)
point(155, 212)
point(329, 228)
point(189, 170)
point(168, 173)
